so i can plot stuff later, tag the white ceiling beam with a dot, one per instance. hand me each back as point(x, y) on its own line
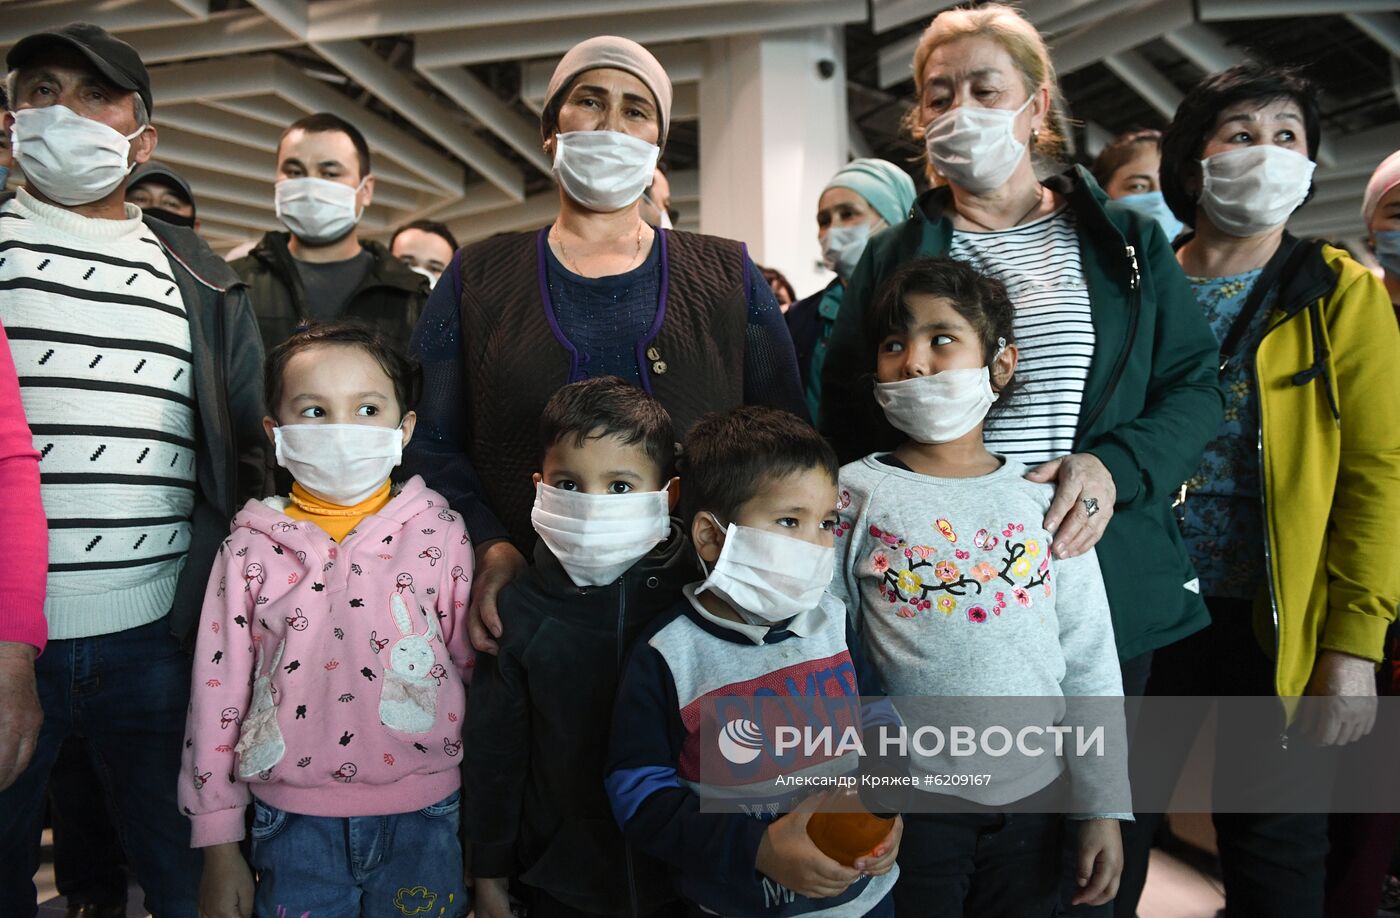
point(496, 43)
point(338, 20)
point(477, 199)
point(256, 218)
point(243, 31)
point(890, 14)
point(199, 9)
point(184, 149)
point(481, 102)
point(229, 84)
point(220, 186)
point(683, 63)
point(173, 84)
point(1120, 32)
point(376, 75)
point(1083, 15)
point(289, 14)
point(1205, 47)
point(895, 61)
point(116, 15)
point(385, 138)
point(1225, 10)
point(1381, 28)
point(685, 185)
point(855, 141)
point(221, 125)
point(534, 211)
point(1342, 211)
point(1145, 80)
point(1367, 148)
point(268, 109)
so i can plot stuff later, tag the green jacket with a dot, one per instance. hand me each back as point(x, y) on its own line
point(1151, 402)
point(1329, 412)
point(389, 298)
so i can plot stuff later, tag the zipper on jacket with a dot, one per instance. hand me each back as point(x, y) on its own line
point(1268, 543)
point(1135, 309)
point(621, 653)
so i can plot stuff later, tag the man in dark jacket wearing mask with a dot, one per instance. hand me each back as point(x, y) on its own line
point(140, 372)
point(321, 270)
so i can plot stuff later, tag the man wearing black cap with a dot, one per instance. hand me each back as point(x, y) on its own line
point(140, 367)
point(163, 193)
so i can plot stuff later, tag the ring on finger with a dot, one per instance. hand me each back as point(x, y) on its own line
point(1091, 505)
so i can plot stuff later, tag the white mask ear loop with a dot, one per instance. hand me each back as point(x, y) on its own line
point(705, 568)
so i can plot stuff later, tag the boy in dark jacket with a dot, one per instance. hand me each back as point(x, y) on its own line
point(608, 560)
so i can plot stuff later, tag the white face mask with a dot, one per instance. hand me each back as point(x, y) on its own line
point(318, 211)
point(768, 577)
point(71, 159)
point(597, 537)
point(1154, 205)
point(342, 463)
point(432, 278)
point(604, 171)
point(975, 147)
point(1250, 191)
point(938, 408)
point(843, 247)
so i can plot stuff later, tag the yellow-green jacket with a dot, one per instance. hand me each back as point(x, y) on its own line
point(1329, 407)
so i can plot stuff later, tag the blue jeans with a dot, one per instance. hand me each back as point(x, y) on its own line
point(406, 864)
point(127, 694)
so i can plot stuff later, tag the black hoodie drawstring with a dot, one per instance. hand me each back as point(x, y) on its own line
point(1319, 364)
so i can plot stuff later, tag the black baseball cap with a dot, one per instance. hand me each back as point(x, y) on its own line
point(152, 171)
point(117, 61)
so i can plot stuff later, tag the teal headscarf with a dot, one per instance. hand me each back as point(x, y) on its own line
point(888, 188)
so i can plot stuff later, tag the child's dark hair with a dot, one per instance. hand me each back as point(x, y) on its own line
point(398, 366)
point(609, 406)
point(728, 458)
point(981, 300)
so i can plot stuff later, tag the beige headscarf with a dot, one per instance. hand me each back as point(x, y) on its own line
point(615, 53)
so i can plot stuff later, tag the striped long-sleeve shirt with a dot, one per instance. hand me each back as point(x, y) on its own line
point(101, 343)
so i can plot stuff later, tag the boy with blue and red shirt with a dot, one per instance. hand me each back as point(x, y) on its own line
point(760, 624)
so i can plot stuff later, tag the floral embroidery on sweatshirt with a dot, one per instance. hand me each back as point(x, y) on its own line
point(918, 578)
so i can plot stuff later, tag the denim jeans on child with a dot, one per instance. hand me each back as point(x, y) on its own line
point(369, 866)
point(127, 693)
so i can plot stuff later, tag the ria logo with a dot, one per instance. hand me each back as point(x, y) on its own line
point(740, 741)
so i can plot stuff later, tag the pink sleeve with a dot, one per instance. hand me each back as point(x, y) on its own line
point(25, 548)
point(209, 791)
point(455, 596)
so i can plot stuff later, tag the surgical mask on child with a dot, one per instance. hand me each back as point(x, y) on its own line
point(597, 537)
point(604, 170)
point(940, 407)
point(975, 147)
point(1153, 204)
point(1388, 251)
point(424, 272)
point(843, 247)
point(768, 577)
point(317, 211)
point(71, 159)
point(1250, 191)
point(343, 463)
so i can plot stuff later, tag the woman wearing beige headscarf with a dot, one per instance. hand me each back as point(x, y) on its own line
point(598, 291)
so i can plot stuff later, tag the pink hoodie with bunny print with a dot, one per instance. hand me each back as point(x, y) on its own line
point(330, 680)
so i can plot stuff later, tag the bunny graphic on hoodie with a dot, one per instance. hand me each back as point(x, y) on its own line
point(330, 679)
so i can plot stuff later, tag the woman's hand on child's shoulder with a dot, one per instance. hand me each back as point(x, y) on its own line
point(1100, 861)
point(788, 856)
point(226, 885)
point(880, 861)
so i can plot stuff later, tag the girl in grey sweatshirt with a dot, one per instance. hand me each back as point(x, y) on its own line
point(949, 578)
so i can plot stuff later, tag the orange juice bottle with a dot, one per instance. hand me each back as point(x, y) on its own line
point(845, 830)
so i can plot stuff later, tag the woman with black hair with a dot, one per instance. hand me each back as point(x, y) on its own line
point(1300, 595)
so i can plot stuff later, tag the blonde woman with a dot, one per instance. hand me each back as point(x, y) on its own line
point(1119, 367)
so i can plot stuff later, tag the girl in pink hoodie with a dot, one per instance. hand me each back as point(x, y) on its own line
point(330, 672)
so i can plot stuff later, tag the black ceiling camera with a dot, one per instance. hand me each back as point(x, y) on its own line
point(826, 68)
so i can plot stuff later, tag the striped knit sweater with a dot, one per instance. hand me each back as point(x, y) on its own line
point(101, 344)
